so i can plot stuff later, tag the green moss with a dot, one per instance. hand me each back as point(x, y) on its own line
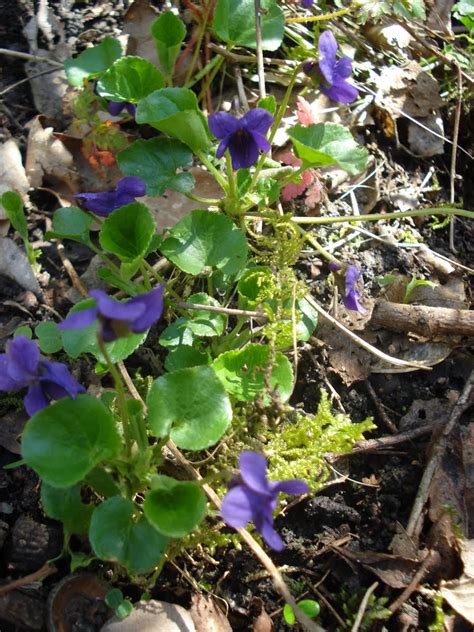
point(298, 448)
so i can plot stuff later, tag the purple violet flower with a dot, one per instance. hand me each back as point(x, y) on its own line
point(119, 319)
point(335, 72)
point(307, 3)
point(125, 192)
point(21, 366)
point(346, 280)
point(253, 498)
point(116, 107)
point(244, 137)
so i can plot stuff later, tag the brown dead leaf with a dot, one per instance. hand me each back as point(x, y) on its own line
point(393, 570)
point(263, 623)
point(459, 593)
point(48, 157)
point(428, 411)
point(12, 173)
point(171, 207)
point(137, 24)
point(10, 430)
point(207, 617)
point(453, 482)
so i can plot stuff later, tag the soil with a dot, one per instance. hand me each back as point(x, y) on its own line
point(361, 514)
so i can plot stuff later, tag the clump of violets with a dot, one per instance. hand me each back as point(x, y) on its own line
point(22, 367)
point(346, 278)
point(243, 137)
point(105, 202)
point(116, 107)
point(335, 71)
point(119, 319)
point(252, 497)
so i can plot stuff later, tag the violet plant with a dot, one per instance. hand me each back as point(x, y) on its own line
point(225, 310)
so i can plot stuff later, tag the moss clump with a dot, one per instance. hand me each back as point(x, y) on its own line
point(298, 448)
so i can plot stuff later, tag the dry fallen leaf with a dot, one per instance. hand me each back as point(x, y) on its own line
point(12, 173)
point(206, 615)
point(47, 156)
point(459, 593)
point(171, 207)
point(15, 266)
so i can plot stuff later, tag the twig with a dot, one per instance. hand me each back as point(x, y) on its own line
point(19, 83)
point(414, 523)
point(259, 51)
point(412, 586)
point(369, 445)
point(41, 573)
point(452, 172)
point(424, 320)
point(221, 310)
point(29, 57)
point(363, 607)
point(446, 60)
point(273, 571)
point(380, 409)
point(360, 341)
point(76, 281)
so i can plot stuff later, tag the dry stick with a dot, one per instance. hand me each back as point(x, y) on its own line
point(76, 281)
point(446, 60)
point(452, 173)
point(369, 445)
point(412, 586)
point(380, 409)
point(29, 57)
point(363, 607)
point(360, 341)
point(41, 573)
point(414, 522)
point(424, 320)
point(26, 80)
point(266, 561)
point(260, 66)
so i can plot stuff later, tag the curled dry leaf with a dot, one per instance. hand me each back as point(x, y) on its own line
point(48, 157)
point(207, 616)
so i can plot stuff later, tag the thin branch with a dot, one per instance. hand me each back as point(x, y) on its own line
point(29, 57)
point(41, 573)
point(360, 341)
point(452, 171)
point(76, 281)
point(363, 607)
point(414, 522)
point(260, 66)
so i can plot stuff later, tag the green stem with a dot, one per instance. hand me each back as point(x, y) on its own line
point(105, 258)
point(215, 61)
point(161, 280)
point(276, 124)
point(146, 278)
point(374, 217)
point(206, 162)
point(121, 400)
point(201, 200)
point(316, 245)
